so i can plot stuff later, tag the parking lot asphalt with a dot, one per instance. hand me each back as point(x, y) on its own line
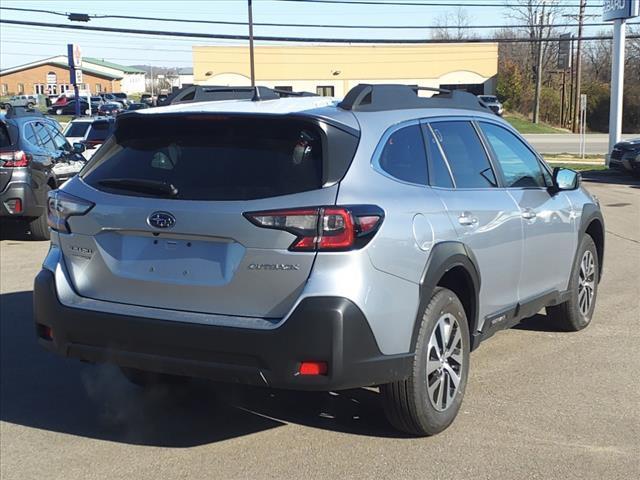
point(540, 404)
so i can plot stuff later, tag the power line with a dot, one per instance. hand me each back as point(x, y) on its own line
point(304, 25)
point(296, 39)
point(425, 4)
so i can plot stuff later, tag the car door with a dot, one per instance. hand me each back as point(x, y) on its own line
point(485, 216)
point(547, 217)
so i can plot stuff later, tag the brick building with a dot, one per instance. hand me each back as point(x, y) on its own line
point(50, 76)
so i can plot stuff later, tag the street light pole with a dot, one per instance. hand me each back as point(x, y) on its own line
point(576, 91)
point(251, 60)
point(617, 83)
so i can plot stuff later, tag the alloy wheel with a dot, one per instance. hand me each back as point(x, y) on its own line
point(444, 362)
point(586, 282)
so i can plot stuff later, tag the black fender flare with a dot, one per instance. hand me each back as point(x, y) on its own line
point(590, 213)
point(444, 257)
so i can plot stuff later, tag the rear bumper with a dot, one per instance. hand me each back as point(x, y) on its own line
point(328, 329)
point(27, 197)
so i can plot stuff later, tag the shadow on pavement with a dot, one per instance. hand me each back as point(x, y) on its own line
point(41, 390)
point(613, 176)
point(538, 323)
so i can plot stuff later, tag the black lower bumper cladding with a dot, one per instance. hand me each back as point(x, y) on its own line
point(325, 329)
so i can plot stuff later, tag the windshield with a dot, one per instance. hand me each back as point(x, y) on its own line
point(488, 99)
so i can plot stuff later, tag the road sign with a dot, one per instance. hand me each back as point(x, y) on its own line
point(564, 49)
point(77, 57)
point(617, 9)
point(79, 77)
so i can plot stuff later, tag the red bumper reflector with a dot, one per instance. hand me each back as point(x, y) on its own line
point(313, 368)
point(44, 331)
point(14, 205)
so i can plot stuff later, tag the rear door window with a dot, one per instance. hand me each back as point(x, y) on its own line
point(403, 156)
point(43, 136)
point(438, 171)
point(466, 155)
point(213, 157)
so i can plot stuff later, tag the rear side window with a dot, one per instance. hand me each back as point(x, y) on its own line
point(403, 156)
point(213, 157)
point(520, 167)
point(465, 154)
point(43, 136)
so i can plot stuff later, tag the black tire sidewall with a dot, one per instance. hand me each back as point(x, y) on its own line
point(432, 420)
point(579, 319)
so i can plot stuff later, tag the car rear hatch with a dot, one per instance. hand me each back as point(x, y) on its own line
point(8, 148)
point(170, 191)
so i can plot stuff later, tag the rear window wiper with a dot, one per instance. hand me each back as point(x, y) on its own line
point(152, 187)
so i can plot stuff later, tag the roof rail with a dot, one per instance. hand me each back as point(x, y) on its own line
point(204, 93)
point(15, 112)
point(377, 98)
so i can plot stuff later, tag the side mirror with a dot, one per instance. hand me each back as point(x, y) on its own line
point(565, 179)
point(79, 148)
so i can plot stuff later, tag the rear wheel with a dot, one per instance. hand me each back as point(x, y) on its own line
point(576, 313)
point(146, 379)
point(428, 401)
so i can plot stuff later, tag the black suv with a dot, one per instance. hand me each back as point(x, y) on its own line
point(34, 158)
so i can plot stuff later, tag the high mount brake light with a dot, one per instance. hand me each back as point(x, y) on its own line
point(323, 228)
point(15, 159)
point(61, 206)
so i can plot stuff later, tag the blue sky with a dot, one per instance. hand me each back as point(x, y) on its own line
point(20, 44)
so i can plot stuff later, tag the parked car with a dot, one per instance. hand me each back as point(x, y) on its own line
point(69, 108)
point(161, 99)
point(302, 244)
point(28, 101)
point(111, 109)
point(122, 98)
point(493, 103)
point(111, 98)
point(90, 131)
point(137, 106)
point(97, 100)
point(147, 98)
point(626, 155)
point(35, 158)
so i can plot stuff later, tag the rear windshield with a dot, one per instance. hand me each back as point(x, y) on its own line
point(77, 129)
point(100, 130)
point(212, 157)
point(5, 139)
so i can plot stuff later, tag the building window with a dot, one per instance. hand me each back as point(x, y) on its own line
point(98, 88)
point(38, 89)
point(52, 89)
point(21, 89)
point(64, 88)
point(4, 89)
point(325, 91)
point(285, 88)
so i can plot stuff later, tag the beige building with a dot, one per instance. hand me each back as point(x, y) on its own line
point(333, 70)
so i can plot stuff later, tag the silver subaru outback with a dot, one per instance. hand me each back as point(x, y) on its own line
point(310, 244)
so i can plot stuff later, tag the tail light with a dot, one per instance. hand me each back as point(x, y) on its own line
point(323, 228)
point(15, 159)
point(61, 206)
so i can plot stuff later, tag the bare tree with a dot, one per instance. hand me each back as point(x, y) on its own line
point(453, 25)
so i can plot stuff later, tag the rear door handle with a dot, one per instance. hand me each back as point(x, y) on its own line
point(528, 214)
point(467, 219)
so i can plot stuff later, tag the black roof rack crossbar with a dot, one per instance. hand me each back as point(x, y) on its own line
point(382, 97)
point(203, 93)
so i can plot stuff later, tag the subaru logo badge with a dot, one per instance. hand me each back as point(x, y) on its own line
point(161, 220)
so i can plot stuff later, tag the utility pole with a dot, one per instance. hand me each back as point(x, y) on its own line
point(576, 90)
point(251, 61)
point(536, 105)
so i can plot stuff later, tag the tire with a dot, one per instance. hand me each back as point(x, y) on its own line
point(574, 314)
point(409, 404)
point(39, 227)
point(148, 380)
point(30, 106)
